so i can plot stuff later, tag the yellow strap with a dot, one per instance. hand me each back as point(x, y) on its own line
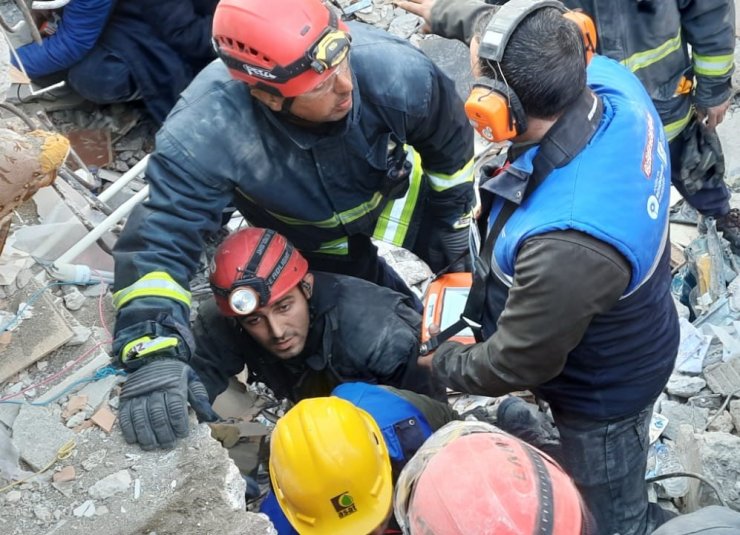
point(146, 345)
point(62, 453)
point(154, 284)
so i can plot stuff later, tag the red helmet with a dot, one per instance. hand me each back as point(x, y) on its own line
point(286, 47)
point(485, 483)
point(252, 268)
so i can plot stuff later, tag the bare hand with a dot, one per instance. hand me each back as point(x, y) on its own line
point(714, 115)
point(422, 8)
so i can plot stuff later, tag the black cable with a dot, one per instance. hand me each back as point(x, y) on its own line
point(695, 476)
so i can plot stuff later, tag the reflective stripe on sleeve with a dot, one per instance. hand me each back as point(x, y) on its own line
point(648, 57)
point(442, 182)
point(713, 65)
point(154, 284)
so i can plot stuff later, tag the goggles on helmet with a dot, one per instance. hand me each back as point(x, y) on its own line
point(328, 51)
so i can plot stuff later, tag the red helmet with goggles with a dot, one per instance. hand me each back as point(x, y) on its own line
point(253, 268)
point(286, 47)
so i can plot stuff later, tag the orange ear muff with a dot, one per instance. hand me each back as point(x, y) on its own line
point(588, 29)
point(494, 110)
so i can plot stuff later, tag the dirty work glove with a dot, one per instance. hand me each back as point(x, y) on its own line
point(154, 403)
point(702, 159)
point(445, 247)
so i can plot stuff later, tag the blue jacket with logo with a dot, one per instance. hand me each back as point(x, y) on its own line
point(578, 306)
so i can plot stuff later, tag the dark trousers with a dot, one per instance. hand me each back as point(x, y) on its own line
point(607, 461)
point(103, 77)
point(710, 200)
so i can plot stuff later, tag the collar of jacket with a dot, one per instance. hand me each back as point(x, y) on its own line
point(305, 138)
point(512, 182)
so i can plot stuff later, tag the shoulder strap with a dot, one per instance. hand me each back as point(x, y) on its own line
point(567, 138)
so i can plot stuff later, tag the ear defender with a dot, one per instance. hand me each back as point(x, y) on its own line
point(588, 29)
point(493, 108)
point(495, 111)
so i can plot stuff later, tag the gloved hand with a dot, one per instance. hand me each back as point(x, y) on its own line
point(446, 245)
point(154, 403)
point(702, 160)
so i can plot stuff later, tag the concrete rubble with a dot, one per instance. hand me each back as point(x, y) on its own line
point(103, 485)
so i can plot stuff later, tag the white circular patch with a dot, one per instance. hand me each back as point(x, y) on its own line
point(653, 207)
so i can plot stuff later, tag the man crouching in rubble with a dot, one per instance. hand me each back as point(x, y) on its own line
point(301, 333)
point(577, 298)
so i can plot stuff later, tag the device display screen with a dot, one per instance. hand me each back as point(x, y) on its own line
point(453, 304)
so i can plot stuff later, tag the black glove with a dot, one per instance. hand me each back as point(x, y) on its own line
point(702, 160)
point(154, 403)
point(446, 247)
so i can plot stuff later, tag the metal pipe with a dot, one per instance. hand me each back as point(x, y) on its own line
point(29, 20)
point(49, 4)
point(125, 178)
point(102, 227)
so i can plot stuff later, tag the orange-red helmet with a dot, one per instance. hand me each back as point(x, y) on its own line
point(471, 478)
point(252, 268)
point(286, 47)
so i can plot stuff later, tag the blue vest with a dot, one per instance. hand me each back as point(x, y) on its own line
point(616, 190)
point(403, 426)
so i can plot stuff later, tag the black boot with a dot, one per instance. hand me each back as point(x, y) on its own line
point(729, 226)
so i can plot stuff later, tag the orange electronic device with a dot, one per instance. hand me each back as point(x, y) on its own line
point(444, 302)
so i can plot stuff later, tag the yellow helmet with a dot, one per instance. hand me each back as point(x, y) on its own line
point(330, 468)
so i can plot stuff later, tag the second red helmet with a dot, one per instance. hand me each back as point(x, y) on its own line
point(252, 268)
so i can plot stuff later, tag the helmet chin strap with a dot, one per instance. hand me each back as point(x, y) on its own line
point(287, 103)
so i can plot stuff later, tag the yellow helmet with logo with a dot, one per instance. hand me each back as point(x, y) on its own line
point(330, 468)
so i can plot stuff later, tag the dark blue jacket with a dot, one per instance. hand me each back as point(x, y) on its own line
point(219, 145)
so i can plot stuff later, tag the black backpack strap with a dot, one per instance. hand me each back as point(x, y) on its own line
point(567, 138)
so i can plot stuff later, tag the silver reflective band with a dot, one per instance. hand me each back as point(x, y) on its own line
point(244, 301)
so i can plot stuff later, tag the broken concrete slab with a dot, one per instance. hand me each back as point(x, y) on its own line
point(685, 386)
point(721, 422)
point(100, 360)
point(74, 405)
point(721, 465)
point(8, 413)
point(43, 332)
point(110, 485)
point(680, 414)
point(97, 392)
point(39, 434)
point(724, 378)
point(67, 473)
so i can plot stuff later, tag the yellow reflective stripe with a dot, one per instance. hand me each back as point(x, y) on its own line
point(393, 223)
point(335, 220)
point(339, 246)
point(441, 182)
point(154, 284)
point(146, 345)
point(676, 127)
point(713, 65)
point(648, 57)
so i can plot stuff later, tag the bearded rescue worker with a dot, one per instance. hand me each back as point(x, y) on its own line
point(334, 460)
point(295, 131)
point(577, 304)
point(301, 332)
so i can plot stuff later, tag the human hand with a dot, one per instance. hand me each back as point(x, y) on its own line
point(714, 115)
point(154, 403)
point(422, 8)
